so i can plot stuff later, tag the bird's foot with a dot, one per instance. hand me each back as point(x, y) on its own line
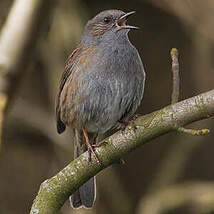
point(124, 124)
point(99, 144)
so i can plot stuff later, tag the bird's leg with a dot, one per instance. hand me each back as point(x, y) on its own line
point(90, 148)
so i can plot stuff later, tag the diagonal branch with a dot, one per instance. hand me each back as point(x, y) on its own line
point(56, 190)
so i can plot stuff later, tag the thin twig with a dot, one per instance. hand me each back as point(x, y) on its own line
point(176, 93)
point(175, 74)
point(194, 132)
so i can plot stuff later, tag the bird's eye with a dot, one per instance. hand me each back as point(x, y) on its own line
point(107, 20)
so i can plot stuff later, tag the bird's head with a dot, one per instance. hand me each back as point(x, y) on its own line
point(107, 24)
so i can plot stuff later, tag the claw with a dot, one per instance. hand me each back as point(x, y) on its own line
point(132, 124)
point(99, 144)
point(124, 124)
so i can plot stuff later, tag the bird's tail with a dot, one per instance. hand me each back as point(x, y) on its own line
point(86, 194)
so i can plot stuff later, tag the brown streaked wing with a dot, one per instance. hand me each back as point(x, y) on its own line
point(68, 70)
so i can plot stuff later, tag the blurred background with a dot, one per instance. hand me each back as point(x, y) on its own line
point(173, 173)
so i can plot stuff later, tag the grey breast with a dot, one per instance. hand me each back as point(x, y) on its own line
point(115, 85)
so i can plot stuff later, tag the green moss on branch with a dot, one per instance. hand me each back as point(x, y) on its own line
point(56, 190)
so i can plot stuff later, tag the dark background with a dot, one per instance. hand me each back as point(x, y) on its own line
point(173, 173)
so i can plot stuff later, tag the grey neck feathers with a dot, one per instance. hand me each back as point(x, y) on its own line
point(107, 38)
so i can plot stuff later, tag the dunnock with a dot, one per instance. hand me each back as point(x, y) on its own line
point(101, 86)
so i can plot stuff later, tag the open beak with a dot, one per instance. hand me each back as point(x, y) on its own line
point(122, 21)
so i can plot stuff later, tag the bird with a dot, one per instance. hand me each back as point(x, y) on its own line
point(101, 87)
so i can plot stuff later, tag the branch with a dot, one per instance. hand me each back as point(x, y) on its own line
point(17, 42)
point(3, 103)
point(194, 132)
point(56, 190)
point(175, 76)
point(176, 92)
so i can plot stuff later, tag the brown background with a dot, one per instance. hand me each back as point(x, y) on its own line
point(174, 170)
